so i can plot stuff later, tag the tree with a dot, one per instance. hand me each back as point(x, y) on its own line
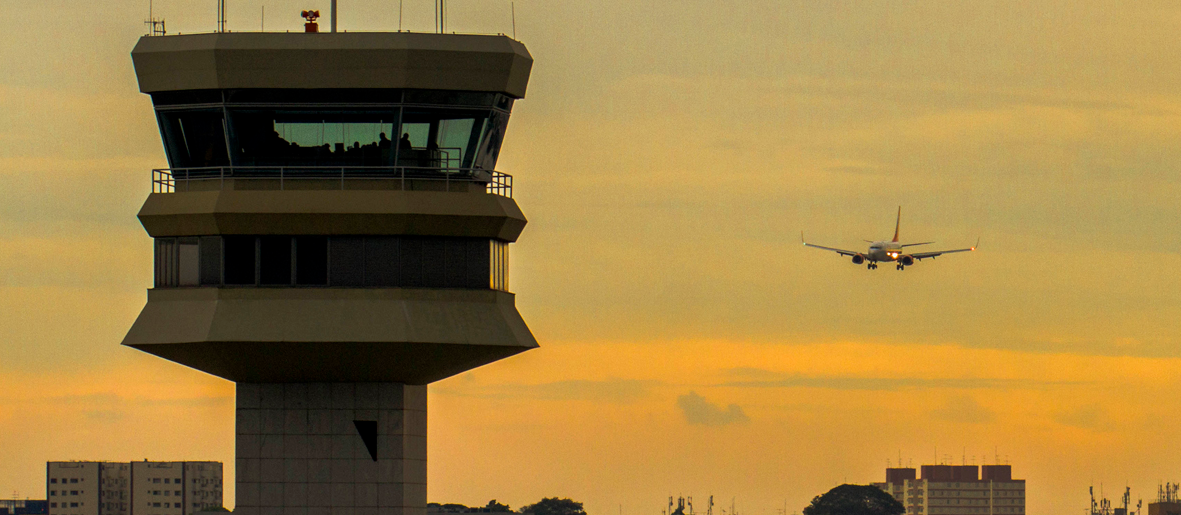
point(554, 506)
point(855, 500)
point(495, 507)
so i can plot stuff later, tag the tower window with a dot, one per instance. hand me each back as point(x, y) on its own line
point(339, 261)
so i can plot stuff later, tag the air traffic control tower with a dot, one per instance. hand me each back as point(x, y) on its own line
point(331, 235)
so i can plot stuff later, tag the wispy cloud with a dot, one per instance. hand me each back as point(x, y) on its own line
point(758, 378)
point(964, 409)
point(699, 411)
point(620, 391)
point(1092, 417)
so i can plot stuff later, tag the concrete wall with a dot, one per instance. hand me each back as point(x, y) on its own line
point(300, 451)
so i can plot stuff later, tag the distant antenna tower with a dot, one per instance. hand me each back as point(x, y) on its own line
point(221, 15)
point(440, 16)
point(155, 26)
point(709, 508)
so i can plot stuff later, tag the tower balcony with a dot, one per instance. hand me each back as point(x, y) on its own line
point(270, 178)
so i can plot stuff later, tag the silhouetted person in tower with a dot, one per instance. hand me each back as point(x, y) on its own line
point(404, 143)
point(383, 141)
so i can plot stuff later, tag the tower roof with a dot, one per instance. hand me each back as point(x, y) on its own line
point(342, 60)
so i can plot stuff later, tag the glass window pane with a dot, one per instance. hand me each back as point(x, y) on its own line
point(313, 138)
point(194, 139)
point(165, 262)
point(490, 141)
point(381, 261)
point(188, 262)
point(311, 260)
point(440, 138)
point(434, 261)
point(239, 259)
point(274, 264)
point(346, 261)
point(410, 259)
point(210, 260)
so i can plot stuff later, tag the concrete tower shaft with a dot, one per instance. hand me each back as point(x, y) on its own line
point(332, 235)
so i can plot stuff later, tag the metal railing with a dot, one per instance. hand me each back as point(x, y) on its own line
point(173, 180)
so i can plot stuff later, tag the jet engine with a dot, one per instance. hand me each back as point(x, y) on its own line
point(858, 259)
point(906, 260)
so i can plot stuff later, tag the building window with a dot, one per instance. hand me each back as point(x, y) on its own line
point(194, 138)
point(355, 261)
point(499, 265)
point(53, 480)
point(74, 480)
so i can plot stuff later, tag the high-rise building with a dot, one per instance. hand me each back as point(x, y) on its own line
point(136, 488)
point(23, 507)
point(332, 235)
point(957, 490)
point(1168, 502)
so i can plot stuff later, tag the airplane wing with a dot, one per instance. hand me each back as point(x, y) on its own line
point(838, 251)
point(918, 256)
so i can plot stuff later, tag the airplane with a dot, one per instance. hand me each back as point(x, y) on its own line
point(889, 250)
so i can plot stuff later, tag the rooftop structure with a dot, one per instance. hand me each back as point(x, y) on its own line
point(957, 490)
point(332, 235)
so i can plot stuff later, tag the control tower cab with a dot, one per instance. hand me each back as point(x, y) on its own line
point(332, 235)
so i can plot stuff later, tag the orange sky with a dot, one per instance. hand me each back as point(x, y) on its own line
point(668, 155)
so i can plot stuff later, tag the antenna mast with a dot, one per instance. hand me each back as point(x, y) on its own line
point(221, 15)
point(333, 15)
point(155, 26)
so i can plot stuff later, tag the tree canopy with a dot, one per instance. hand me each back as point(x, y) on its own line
point(554, 506)
point(496, 507)
point(855, 500)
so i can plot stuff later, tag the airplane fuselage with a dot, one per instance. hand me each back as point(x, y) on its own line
point(884, 251)
point(888, 250)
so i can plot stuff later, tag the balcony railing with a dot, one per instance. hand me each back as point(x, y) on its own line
point(174, 180)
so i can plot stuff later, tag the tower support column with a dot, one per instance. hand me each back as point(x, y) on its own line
point(331, 449)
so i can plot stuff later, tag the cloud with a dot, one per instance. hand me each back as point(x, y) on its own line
point(699, 411)
point(758, 378)
point(619, 391)
point(964, 409)
point(1086, 417)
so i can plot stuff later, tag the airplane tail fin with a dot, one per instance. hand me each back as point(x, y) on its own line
point(897, 223)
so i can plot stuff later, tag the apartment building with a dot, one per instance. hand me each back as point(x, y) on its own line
point(136, 488)
point(25, 507)
point(957, 490)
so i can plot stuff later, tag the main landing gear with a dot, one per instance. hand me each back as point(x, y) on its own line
point(900, 267)
point(871, 266)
